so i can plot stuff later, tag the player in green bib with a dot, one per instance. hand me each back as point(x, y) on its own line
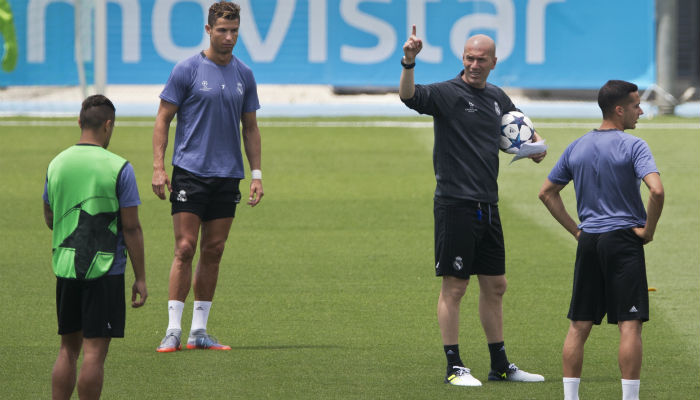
point(85, 229)
point(91, 204)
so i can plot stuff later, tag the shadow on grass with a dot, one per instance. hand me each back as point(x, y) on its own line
point(287, 347)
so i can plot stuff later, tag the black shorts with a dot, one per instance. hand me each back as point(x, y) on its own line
point(468, 239)
point(610, 277)
point(96, 307)
point(208, 198)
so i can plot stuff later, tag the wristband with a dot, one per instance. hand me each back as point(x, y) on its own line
point(256, 174)
point(407, 66)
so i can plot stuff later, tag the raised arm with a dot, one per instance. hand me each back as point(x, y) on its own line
point(253, 150)
point(411, 49)
point(166, 113)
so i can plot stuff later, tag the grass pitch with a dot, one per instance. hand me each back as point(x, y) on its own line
point(327, 289)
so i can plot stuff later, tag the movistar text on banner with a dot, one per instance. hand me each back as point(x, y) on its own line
point(540, 43)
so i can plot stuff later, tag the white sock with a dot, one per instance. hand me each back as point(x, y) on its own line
point(200, 315)
point(571, 388)
point(175, 314)
point(630, 389)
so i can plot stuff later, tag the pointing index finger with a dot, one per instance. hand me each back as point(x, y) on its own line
point(413, 33)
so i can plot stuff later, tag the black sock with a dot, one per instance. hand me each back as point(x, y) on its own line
point(499, 360)
point(452, 354)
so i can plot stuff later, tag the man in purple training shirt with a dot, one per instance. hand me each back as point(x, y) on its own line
point(607, 166)
point(212, 93)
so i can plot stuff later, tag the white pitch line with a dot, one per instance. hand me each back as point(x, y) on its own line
point(362, 124)
point(70, 123)
point(429, 124)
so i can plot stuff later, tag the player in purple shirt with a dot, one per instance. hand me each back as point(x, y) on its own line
point(607, 166)
point(212, 93)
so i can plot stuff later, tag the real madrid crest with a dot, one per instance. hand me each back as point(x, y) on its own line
point(458, 264)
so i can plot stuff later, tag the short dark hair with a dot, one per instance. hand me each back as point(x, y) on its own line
point(223, 9)
point(613, 94)
point(95, 110)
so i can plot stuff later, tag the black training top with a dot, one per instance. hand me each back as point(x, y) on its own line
point(467, 126)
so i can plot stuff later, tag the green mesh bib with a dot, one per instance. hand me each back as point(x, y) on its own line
point(82, 191)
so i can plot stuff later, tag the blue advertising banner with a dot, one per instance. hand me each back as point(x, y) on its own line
point(575, 44)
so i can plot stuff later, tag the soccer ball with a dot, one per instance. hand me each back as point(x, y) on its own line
point(516, 129)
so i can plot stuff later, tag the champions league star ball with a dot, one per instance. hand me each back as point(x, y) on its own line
point(516, 129)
